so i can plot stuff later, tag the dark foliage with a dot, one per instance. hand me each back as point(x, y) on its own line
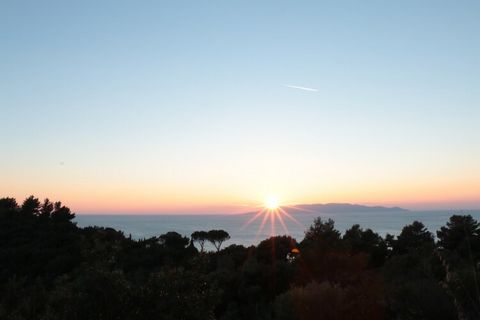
point(217, 237)
point(51, 269)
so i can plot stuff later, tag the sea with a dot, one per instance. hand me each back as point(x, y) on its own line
point(245, 232)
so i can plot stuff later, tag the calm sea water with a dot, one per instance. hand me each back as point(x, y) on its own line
point(144, 226)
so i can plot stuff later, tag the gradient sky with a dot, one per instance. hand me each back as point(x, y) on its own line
point(185, 106)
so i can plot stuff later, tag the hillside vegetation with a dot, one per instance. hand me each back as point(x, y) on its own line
point(52, 269)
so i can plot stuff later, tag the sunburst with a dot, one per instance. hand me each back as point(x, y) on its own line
point(272, 211)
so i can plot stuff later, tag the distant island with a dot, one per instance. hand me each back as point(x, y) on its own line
point(338, 208)
point(345, 207)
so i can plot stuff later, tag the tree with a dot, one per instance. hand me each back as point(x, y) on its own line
point(361, 240)
point(367, 241)
point(321, 234)
point(330, 301)
point(46, 209)
point(173, 240)
point(200, 237)
point(460, 240)
point(8, 207)
point(413, 276)
point(31, 206)
point(461, 234)
point(413, 237)
point(94, 294)
point(177, 294)
point(8, 204)
point(61, 213)
point(217, 237)
point(275, 248)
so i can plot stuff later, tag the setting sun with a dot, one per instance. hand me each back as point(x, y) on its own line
point(273, 213)
point(271, 203)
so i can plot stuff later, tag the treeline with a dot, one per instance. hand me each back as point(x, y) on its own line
point(52, 269)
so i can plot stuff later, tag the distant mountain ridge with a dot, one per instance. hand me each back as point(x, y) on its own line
point(345, 207)
point(338, 208)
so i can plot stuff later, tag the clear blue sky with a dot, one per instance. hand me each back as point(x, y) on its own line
point(185, 105)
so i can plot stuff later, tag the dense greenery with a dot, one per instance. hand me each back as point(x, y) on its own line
point(51, 269)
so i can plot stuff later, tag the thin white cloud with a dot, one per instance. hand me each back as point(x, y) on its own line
point(300, 88)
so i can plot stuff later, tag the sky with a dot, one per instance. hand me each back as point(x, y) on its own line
point(213, 106)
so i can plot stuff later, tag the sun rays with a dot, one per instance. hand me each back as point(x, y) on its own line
point(270, 213)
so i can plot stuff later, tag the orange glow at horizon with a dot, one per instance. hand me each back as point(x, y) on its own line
point(272, 212)
point(160, 121)
point(94, 195)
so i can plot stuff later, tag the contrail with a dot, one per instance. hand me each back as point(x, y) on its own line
point(300, 88)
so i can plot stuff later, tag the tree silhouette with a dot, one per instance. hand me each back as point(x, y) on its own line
point(8, 204)
point(200, 237)
point(413, 237)
point(46, 209)
point(31, 206)
point(358, 240)
point(173, 240)
point(460, 239)
point(275, 248)
point(461, 234)
point(322, 234)
point(61, 213)
point(361, 240)
point(52, 269)
point(217, 237)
